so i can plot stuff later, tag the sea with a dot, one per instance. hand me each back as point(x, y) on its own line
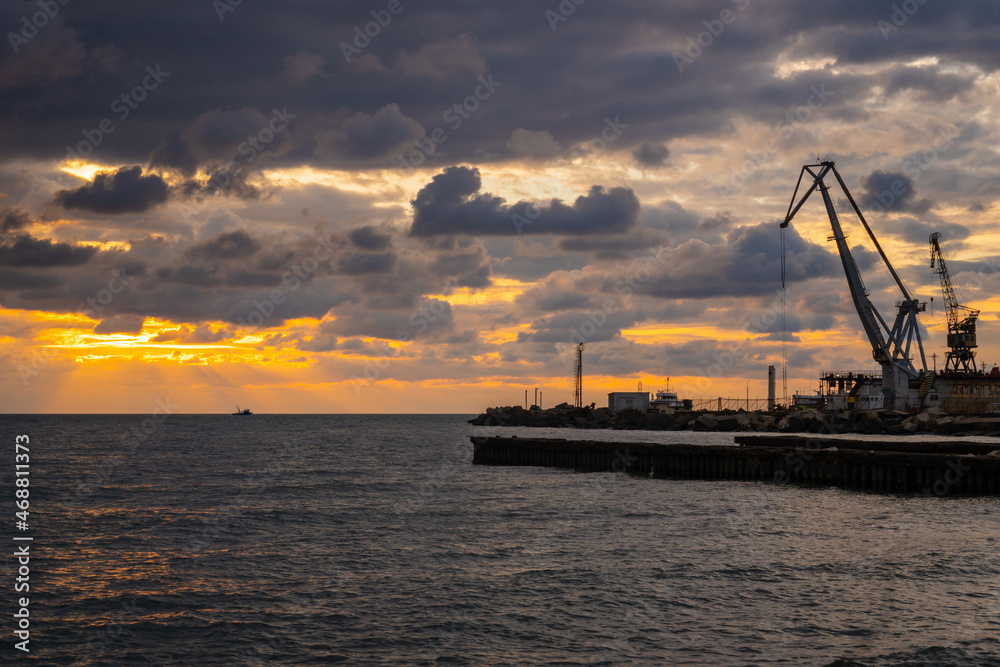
point(373, 540)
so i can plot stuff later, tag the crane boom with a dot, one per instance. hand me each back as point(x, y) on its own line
point(961, 356)
point(891, 346)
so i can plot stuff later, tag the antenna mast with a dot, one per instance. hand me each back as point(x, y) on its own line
point(579, 375)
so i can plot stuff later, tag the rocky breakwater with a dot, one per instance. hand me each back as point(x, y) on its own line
point(796, 421)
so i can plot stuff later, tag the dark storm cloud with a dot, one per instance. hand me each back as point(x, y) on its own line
point(891, 191)
point(651, 155)
point(559, 328)
point(25, 250)
point(222, 180)
point(555, 301)
point(930, 83)
point(364, 137)
point(523, 263)
point(367, 238)
point(125, 190)
point(122, 324)
point(866, 32)
point(680, 224)
point(328, 344)
point(615, 247)
point(429, 60)
point(221, 280)
point(671, 217)
point(468, 268)
point(430, 319)
point(230, 245)
point(27, 280)
point(746, 262)
point(202, 334)
point(451, 204)
point(362, 263)
point(302, 66)
point(918, 232)
point(219, 133)
point(174, 153)
point(13, 220)
point(239, 277)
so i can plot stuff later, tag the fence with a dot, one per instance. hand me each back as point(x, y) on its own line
point(735, 404)
point(954, 405)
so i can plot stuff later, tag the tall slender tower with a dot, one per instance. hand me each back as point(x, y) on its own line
point(579, 375)
point(770, 388)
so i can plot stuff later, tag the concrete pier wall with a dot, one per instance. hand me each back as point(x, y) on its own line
point(928, 473)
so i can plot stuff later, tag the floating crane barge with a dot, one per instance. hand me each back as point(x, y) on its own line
point(961, 388)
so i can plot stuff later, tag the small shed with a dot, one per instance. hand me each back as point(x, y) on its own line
point(628, 400)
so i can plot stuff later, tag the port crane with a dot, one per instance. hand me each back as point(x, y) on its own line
point(891, 346)
point(961, 319)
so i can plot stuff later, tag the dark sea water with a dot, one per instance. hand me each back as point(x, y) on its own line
point(372, 540)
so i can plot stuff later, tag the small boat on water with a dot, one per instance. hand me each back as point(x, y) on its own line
point(244, 411)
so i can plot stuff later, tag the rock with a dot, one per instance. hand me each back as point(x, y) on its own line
point(792, 423)
point(706, 422)
point(728, 422)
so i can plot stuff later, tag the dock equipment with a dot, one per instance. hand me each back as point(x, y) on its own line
point(961, 356)
point(891, 346)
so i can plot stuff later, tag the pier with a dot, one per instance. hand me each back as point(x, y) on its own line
point(956, 469)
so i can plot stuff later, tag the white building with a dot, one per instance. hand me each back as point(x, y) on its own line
point(628, 400)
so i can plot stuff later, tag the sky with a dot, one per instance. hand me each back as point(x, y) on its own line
point(416, 206)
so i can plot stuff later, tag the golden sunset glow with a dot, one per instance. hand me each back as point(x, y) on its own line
point(84, 170)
